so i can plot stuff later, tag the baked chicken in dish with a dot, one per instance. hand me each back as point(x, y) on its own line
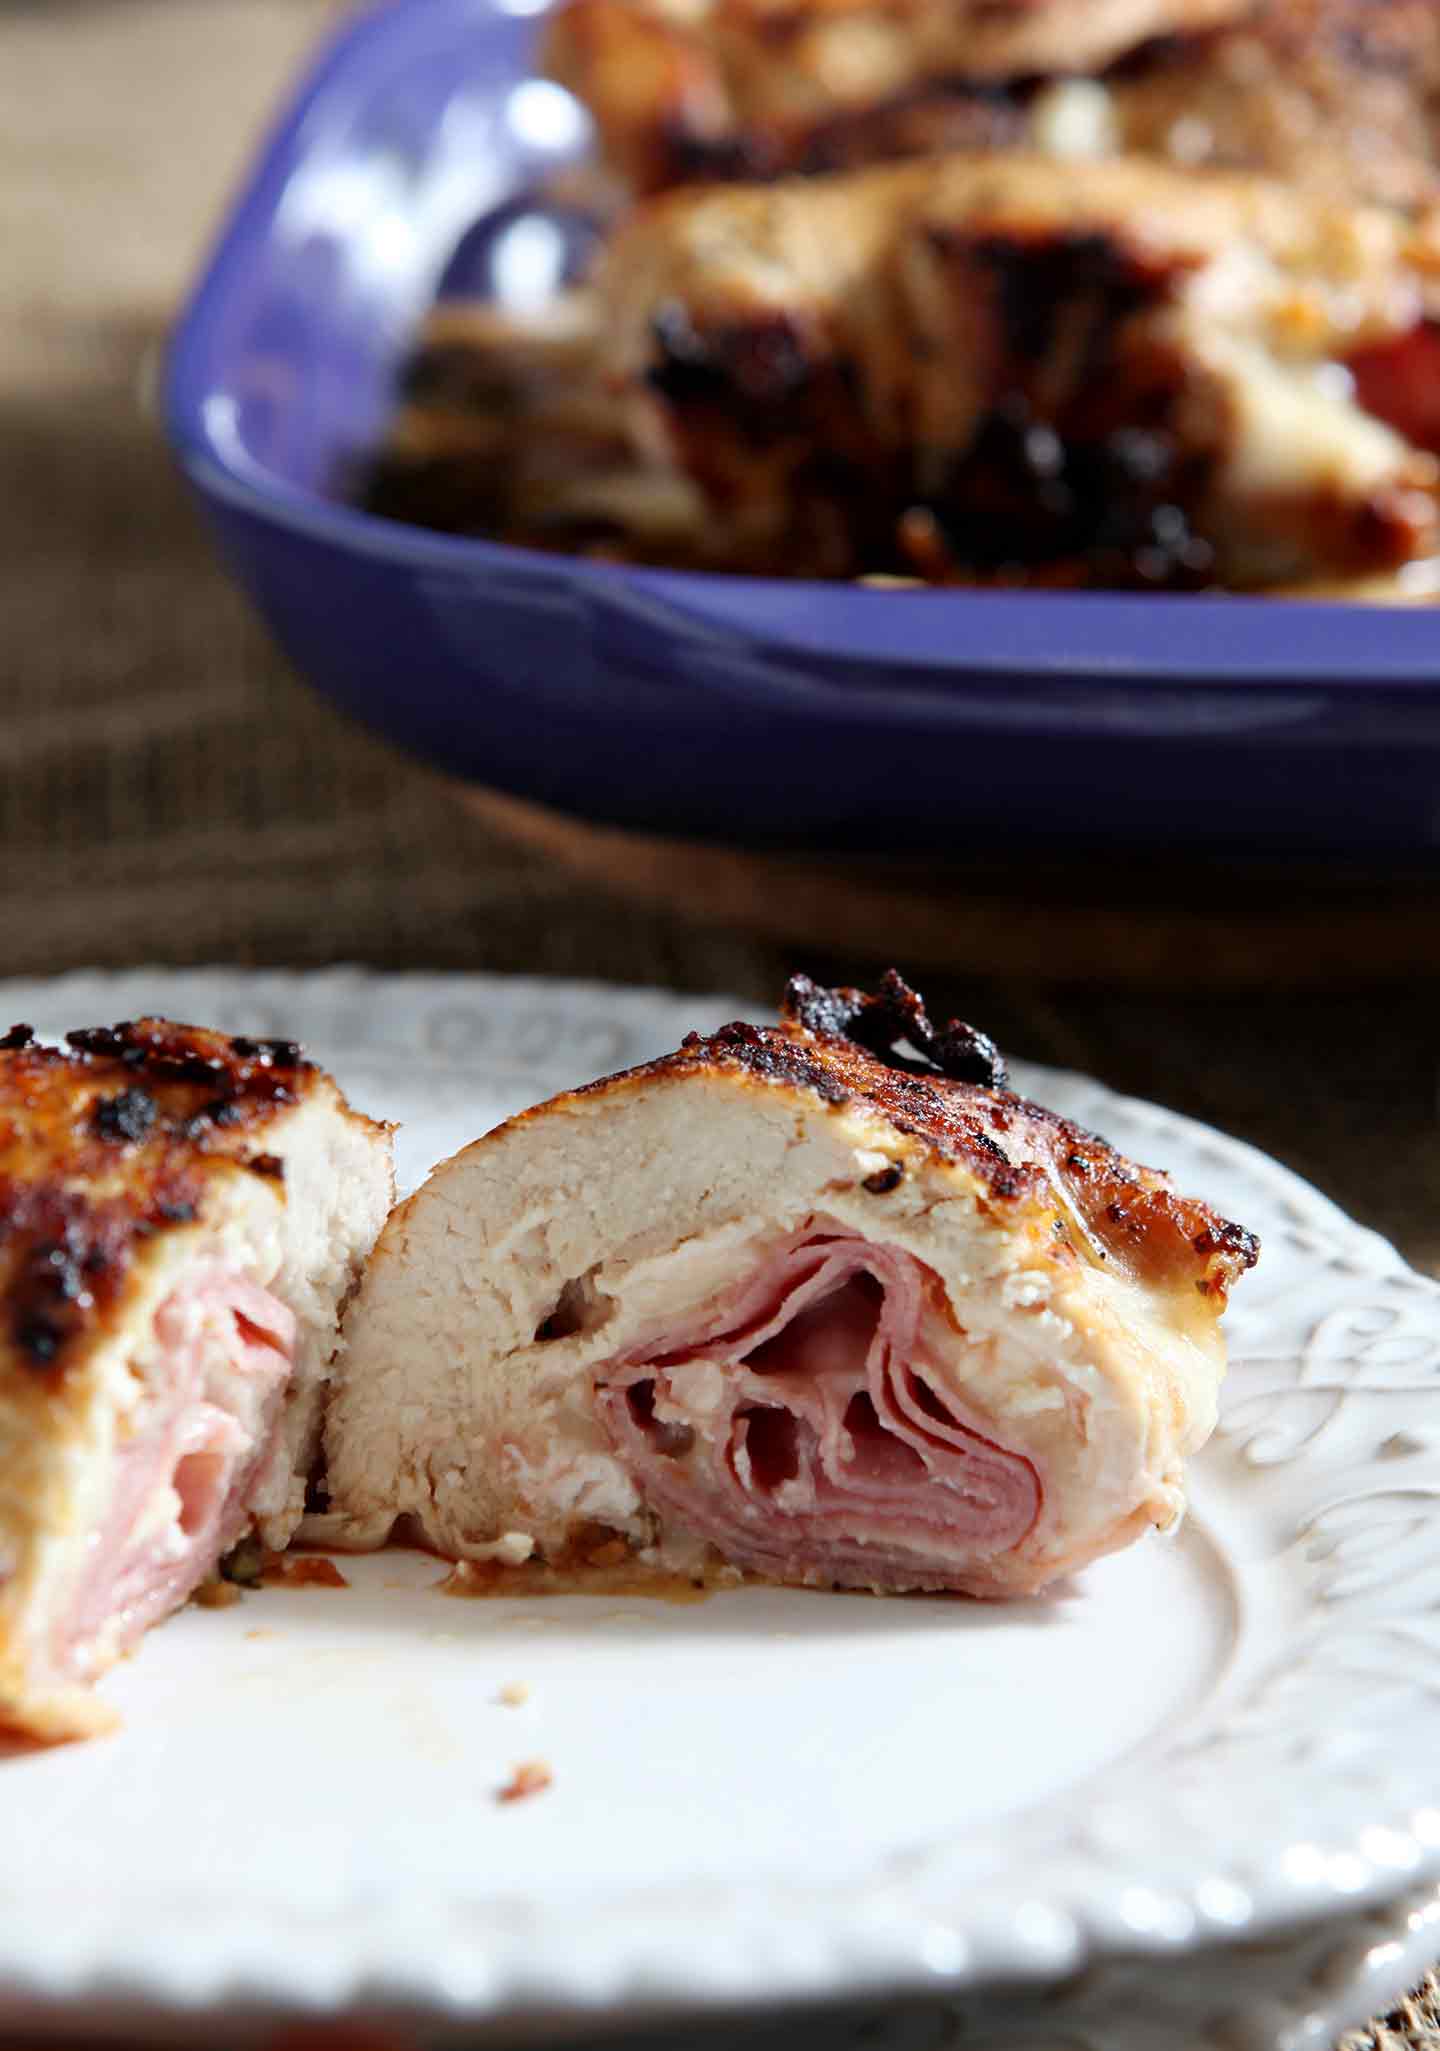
point(1340, 94)
point(181, 1218)
point(824, 1302)
point(1125, 294)
point(967, 368)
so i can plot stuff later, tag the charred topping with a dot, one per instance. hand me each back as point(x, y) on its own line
point(893, 1016)
point(219, 1111)
point(74, 1208)
point(128, 1116)
point(776, 1059)
point(1232, 1244)
point(1118, 506)
point(279, 1053)
point(74, 1255)
point(755, 364)
point(173, 1053)
point(38, 1338)
point(116, 1041)
point(18, 1036)
point(1042, 280)
point(884, 1180)
point(1091, 470)
point(1075, 471)
point(872, 1048)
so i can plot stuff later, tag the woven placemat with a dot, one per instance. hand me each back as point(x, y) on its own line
point(169, 793)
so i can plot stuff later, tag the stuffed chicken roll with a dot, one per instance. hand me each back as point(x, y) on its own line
point(823, 1302)
point(181, 1217)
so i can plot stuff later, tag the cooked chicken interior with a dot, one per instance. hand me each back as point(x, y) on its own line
point(825, 1302)
point(183, 1215)
point(1340, 94)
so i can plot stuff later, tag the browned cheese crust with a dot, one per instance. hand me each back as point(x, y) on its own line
point(105, 1143)
point(945, 1092)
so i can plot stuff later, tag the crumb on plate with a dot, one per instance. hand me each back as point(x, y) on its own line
point(531, 1777)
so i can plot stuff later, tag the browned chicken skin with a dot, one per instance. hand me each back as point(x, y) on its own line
point(181, 1214)
point(1152, 303)
point(951, 1093)
point(1110, 372)
point(1338, 94)
point(103, 1143)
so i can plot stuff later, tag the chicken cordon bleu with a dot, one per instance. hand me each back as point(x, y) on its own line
point(1135, 294)
point(823, 1302)
point(1343, 95)
point(181, 1217)
point(1104, 373)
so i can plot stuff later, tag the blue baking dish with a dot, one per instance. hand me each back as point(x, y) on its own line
point(760, 711)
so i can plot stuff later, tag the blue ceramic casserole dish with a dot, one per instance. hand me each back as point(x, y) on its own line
point(766, 712)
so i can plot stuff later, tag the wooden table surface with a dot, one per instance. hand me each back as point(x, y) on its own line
point(170, 793)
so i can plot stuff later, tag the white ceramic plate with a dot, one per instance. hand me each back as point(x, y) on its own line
point(770, 1794)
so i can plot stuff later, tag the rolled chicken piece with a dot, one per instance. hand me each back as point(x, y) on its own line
point(181, 1217)
point(682, 90)
point(1335, 95)
point(1016, 370)
point(824, 1302)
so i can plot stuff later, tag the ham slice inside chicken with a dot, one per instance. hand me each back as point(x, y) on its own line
point(222, 1358)
point(806, 1428)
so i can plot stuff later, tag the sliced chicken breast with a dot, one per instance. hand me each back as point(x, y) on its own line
point(825, 1302)
point(181, 1217)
